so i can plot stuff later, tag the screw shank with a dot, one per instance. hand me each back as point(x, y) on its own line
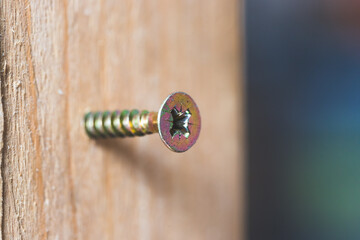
point(120, 123)
point(152, 122)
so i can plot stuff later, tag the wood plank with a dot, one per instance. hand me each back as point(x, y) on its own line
point(63, 58)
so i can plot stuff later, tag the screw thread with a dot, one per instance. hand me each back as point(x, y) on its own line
point(120, 123)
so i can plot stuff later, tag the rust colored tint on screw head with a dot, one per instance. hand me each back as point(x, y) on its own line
point(179, 122)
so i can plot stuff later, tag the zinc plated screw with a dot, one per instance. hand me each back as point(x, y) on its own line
point(178, 122)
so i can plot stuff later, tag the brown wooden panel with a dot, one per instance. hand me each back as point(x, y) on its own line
point(62, 58)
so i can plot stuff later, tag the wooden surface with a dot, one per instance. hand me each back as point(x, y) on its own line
point(62, 58)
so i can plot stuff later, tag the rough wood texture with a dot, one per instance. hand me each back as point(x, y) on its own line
point(62, 58)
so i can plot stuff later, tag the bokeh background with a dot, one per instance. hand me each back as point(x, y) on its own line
point(303, 105)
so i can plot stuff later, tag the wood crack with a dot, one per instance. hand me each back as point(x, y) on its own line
point(34, 93)
point(2, 119)
point(2, 149)
point(68, 121)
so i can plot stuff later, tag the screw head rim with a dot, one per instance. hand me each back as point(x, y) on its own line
point(182, 104)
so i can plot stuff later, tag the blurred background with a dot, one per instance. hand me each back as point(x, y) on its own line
point(303, 98)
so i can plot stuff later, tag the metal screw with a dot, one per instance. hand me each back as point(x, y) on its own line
point(178, 122)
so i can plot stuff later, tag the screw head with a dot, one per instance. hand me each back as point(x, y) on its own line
point(179, 122)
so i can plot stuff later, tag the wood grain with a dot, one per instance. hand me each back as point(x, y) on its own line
point(60, 59)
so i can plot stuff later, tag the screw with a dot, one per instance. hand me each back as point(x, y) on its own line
point(178, 122)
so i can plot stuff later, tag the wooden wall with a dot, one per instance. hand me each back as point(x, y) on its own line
point(60, 59)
